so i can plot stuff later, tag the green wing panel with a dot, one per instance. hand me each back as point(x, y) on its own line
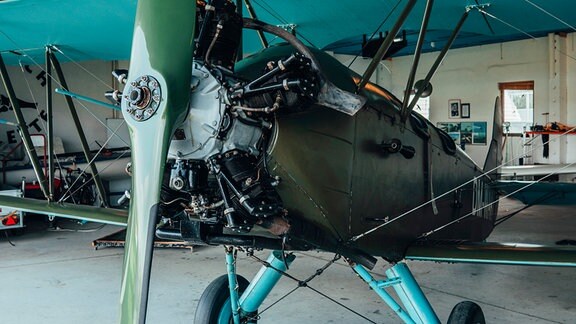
point(496, 253)
point(89, 213)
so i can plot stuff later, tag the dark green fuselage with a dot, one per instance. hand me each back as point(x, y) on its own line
point(337, 175)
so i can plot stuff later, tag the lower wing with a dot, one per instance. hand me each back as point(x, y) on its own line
point(494, 253)
point(539, 193)
point(89, 213)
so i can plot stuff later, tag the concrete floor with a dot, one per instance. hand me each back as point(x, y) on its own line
point(57, 277)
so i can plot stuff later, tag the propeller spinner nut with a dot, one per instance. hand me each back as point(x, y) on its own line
point(143, 97)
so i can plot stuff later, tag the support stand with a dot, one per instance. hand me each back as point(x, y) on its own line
point(418, 309)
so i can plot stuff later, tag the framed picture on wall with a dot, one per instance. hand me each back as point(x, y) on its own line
point(454, 108)
point(465, 110)
point(479, 133)
point(468, 132)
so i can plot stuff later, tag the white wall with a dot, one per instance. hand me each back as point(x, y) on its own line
point(469, 74)
point(472, 75)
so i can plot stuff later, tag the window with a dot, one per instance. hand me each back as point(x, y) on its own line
point(422, 106)
point(518, 104)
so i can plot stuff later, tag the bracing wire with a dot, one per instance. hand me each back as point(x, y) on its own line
point(504, 22)
point(356, 237)
point(541, 199)
point(567, 55)
point(473, 212)
point(56, 48)
point(486, 173)
point(305, 283)
point(64, 196)
point(99, 172)
point(54, 79)
point(375, 32)
point(550, 14)
point(41, 120)
point(266, 7)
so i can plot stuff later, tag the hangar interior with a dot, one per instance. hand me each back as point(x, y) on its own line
point(55, 270)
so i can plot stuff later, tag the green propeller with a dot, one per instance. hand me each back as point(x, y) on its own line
point(154, 103)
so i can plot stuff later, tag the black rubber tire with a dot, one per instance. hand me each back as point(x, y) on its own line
point(214, 298)
point(466, 312)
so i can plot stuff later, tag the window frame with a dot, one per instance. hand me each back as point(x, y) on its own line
point(516, 85)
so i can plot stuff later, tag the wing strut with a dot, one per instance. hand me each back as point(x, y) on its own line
point(49, 125)
point(425, 84)
point(23, 129)
point(252, 14)
point(79, 129)
point(385, 45)
point(415, 63)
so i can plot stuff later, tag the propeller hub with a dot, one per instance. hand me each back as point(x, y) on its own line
point(143, 97)
point(136, 96)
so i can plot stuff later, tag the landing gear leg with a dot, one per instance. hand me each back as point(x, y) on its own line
point(416, 309)
point(264, 281)
point(233, 283)
point(230, 299)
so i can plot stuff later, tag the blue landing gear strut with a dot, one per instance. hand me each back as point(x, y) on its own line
point(247, 304)
point(243, 299)
point(417, 308)
point(233, 283)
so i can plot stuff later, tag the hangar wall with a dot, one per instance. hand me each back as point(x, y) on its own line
point(472, 75)
point(90, 79)
point(469, 74)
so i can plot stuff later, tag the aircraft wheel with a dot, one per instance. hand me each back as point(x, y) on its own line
point(214, 304)
point(466, 312)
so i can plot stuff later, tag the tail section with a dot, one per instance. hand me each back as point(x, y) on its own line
point(494, 157)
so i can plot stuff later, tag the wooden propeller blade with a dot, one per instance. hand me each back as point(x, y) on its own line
point(155, 102)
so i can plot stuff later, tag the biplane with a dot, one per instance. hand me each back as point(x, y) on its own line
point(284, 150)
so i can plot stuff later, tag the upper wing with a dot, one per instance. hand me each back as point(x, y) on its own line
point(102, 29)
point(85, 30)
